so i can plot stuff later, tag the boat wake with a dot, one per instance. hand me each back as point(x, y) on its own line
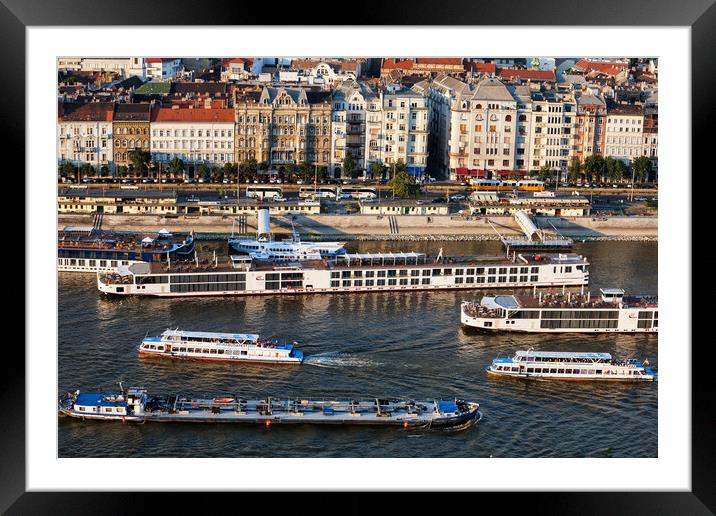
point(337, 359)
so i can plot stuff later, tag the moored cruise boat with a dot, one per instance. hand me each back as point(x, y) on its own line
point(136, 406)
point(92, 250)
point(554, 365)
point(369, 272)
point(561, 313)
point(229, 347)
point(264, 248)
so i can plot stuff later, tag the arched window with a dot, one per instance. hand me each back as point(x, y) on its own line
point(508, 118)
point(479, 106)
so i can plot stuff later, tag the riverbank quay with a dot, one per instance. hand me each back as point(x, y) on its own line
point(382, 227)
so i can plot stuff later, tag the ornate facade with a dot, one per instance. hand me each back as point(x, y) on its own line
point(283, 125)
point(130, 126)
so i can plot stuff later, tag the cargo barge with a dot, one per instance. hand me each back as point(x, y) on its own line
point(136, 406)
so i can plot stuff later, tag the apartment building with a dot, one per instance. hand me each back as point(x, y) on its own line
point(624, 138)
point(284, 125)
point(84, 134)
point(130, 128)
point(355, 125)
point(194, 135)
point(590, 126)
point(404, 130)
point(552, 136)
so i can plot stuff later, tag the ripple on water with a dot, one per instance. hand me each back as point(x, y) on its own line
point(380, 344)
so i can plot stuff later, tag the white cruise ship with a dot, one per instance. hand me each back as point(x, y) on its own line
point(368, 272)
point(555, 365)
point(562, 313)
point(230, 347)
point(264, 248)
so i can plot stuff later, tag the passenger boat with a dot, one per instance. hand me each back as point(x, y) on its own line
point(554, 365)
point(366, 272)
point(136, 406)
point(229, 347)
point(264, 248)
point(92, 250)
point(560, 313)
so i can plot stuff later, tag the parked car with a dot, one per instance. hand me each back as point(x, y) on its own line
point(279, 199)
point(457, 197)
point(438, 200)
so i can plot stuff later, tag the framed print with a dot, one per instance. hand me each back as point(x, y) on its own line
point(382, 224)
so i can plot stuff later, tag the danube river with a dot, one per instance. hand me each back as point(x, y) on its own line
point(389, 344)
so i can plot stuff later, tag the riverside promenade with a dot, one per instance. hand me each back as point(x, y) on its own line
point(398, 227)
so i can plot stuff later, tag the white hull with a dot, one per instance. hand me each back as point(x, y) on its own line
point(574, 377)
point(93, 266)
point(305, 280)
point(627, 322)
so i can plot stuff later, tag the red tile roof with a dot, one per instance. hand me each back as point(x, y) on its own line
point(457, 61)
point(481, 67)
point(192, 115)
point(605, 68)
point(533, 75)
point(89, 112)
point(390, 64)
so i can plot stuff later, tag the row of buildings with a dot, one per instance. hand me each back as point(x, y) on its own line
point(488, 122)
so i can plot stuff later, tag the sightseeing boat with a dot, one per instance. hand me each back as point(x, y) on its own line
point(366, 272)
point(567, 312)
point(263, 247)
point(555, 365)
point(136, 406)
point(92, 250)
point(228, 347)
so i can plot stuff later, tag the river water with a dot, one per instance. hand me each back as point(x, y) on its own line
point(398, 344)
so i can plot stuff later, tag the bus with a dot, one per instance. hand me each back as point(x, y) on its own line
point(264, 192)
point(321, 191)
point(359, 192)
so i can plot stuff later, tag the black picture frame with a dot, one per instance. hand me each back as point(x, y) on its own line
point(699, 15)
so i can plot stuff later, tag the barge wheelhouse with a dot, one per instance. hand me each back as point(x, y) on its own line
point(229, 347)
point(612, 312)
point(554, 365)
point(368, 272)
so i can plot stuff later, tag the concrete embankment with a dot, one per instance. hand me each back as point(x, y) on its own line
point(364, 227)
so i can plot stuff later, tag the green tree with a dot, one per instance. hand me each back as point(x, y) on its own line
point(514, 175)
point(104, 171)
point(263, 166)
point(642, 167)
point(122, 171)
point(594, 167)
point(404, 185)
point(216, 174)
point(87, 170)
point(574, 170)
point(305, 171)
point(230, 171)
point(292, 169)
point(68, 170)
point(248, 169)
point(349, 167)
point(202, 172)
point(615, 169)
point(176, 167)
point(140, 160)
point(546, 174)
point(377, 169)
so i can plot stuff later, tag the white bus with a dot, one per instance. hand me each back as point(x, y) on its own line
point(264, 192)
point(321, 191)
point(359, 192)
